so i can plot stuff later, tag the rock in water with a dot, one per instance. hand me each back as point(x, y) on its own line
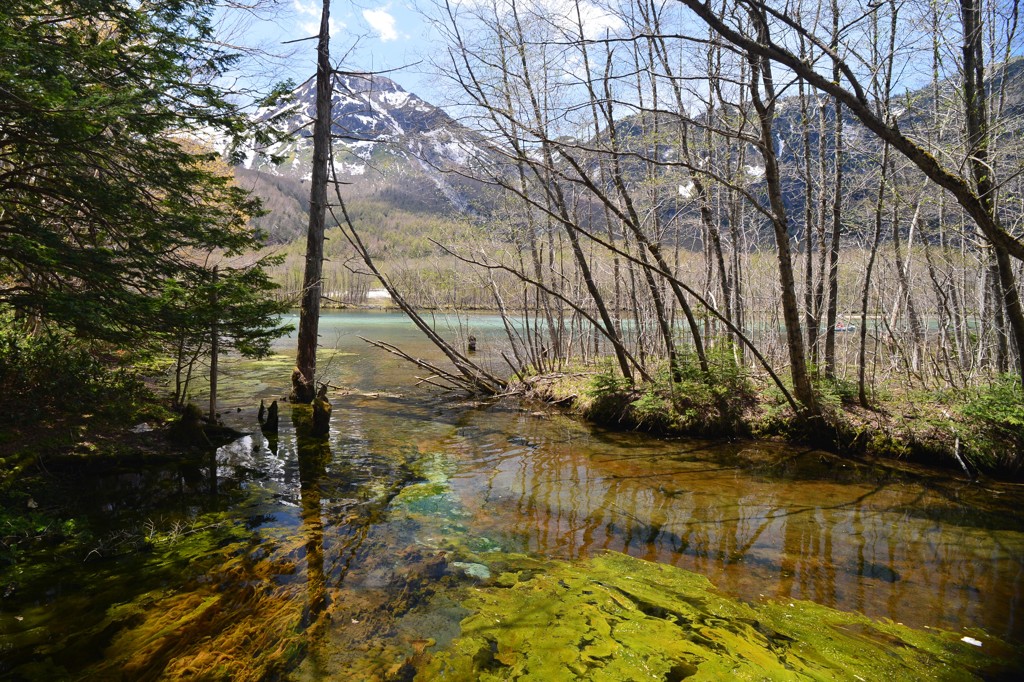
point(261, 416)
point(478, 571)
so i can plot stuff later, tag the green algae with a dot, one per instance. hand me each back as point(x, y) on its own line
point(614, 617)
point(424, 498)
point(432, 497)
point(206, 597)
point(236, 621)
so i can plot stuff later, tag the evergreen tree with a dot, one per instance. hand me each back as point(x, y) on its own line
point(104, 196)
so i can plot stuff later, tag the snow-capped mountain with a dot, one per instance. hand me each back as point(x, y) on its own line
point(387, 143)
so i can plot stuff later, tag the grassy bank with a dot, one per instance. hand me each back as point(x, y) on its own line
point(976, 431)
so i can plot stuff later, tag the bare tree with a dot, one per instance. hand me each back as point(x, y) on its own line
point(304, 375)
point(975, 192)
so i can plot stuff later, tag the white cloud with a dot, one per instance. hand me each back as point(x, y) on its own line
point(309, 19)
point(312, 28)
point(381, 21)
point(597, 20)
point(306, 9)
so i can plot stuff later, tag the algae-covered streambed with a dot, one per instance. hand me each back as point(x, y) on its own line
point(431, 538)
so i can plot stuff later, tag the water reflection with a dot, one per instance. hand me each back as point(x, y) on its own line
point(313, 455)
point(280, 532)
point(797, 526)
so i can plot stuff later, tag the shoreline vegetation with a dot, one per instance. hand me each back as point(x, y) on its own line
point(974, 431)
point(956, 432)
point(970, 425)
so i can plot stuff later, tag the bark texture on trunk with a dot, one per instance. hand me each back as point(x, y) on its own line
point(303, 377)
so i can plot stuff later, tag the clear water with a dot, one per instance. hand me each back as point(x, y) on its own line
point(353, 558)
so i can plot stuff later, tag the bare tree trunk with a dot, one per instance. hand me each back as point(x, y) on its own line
point(832, 304)
point(862, 393)
point(906, 295)
point(978, 138)
point(304, 375)
point(761, 76)
point(810, 315)
point(214, 346)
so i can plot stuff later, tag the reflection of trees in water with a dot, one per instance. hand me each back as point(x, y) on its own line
point(840, 544)
point(341, 498)
point(313, 455)
point(362, 573)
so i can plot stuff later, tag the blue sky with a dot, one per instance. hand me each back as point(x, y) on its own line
point(375, 36)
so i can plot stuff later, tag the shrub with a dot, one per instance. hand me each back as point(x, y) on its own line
point(995, 429)
point(834, 392)
point(712, 402)
point(55, 372)
point(609, 395)
point(691, 401)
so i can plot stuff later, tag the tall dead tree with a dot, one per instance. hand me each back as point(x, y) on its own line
point(764, 98)
point(832, 305)
point(303, 377)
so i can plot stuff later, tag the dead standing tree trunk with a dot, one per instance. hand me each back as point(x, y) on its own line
point(303, 377)
point(979, 140)
point(761, 78)
point(832, 304)
point(214, 346)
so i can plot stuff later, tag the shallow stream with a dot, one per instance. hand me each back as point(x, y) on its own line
point(431, 538)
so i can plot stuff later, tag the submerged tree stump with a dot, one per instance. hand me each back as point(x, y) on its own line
point(302, 390)
point(321, 413)
point(194, 430)
point(313, 421)
point(188, 428)
point(269, 425)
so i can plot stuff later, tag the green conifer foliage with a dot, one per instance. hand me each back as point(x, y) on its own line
point(107, 204)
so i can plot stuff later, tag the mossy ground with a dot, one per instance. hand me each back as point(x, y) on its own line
point(615, 617)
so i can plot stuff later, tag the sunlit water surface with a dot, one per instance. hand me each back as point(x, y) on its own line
point(320, 566)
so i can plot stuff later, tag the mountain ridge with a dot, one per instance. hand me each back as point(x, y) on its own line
point(388, 145)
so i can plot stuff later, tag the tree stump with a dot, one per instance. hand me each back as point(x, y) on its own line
point(188, 429)
point(321, 413)
point(302, 391)
point(269, 425)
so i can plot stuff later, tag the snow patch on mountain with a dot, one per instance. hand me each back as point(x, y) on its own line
point(396, 99)
point(384, 138)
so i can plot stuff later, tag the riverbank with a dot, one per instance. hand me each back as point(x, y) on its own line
point(974, 432)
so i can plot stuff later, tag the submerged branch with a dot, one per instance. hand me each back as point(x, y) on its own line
point(423, 364)
point(474, 378)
